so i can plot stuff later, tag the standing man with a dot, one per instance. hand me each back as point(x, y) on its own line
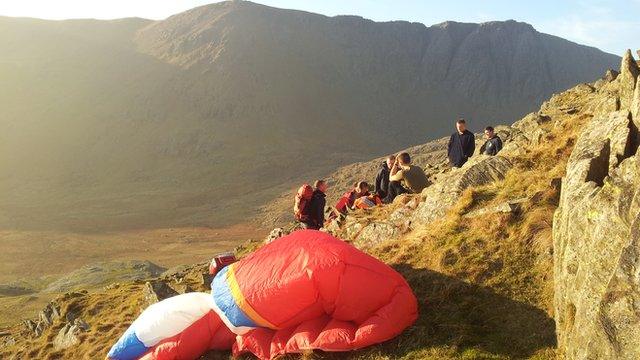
point(405, 178)
point(462, 144)
point(316, 206)
point(493, 144)
point(382, 179)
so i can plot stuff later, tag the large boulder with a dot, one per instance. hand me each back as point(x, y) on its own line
point(440, 197)
point(68, 336)
point(596, 243)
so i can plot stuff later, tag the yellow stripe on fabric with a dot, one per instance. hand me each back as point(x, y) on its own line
point(242, 302)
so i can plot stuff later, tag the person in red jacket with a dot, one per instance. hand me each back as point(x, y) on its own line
point(347, 200)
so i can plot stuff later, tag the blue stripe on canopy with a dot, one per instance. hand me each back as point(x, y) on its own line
point(128, 347)
point(224, 300)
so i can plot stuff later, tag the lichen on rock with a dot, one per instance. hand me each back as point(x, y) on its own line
point(596, 230)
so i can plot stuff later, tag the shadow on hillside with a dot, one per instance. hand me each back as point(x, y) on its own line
point(457, 317)
point(456, 313)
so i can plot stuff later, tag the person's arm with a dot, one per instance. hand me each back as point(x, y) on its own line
point(379, 182)
point(396, 176)
point(483, 148)
point(450, 145)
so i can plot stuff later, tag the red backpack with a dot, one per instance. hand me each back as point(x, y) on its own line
point(303, 198)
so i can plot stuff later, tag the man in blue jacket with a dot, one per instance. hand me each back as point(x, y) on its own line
point(462, 144)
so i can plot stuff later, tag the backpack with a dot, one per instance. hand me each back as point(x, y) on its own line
point(301, 203)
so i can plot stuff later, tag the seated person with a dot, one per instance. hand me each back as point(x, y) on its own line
point(347, 200)
point(382, 179)
point(405, 178)
point(493, 144)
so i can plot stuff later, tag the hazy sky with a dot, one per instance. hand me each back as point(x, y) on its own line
point(611, 25)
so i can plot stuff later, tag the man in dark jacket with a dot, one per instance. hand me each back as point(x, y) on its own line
point(382, 179)
point(493, 145)
point(462, 144)
point(316, 206)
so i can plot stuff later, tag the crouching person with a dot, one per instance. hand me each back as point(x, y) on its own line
point(405, 178)
point(349, 198)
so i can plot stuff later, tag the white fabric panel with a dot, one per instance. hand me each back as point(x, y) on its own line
point(171, 316)
point(238, 330)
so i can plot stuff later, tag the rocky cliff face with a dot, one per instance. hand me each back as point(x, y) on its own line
point(597, 230)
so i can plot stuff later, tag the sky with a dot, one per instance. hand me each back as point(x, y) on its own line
point(611, 25)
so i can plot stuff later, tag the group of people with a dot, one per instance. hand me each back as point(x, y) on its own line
point(396, 176)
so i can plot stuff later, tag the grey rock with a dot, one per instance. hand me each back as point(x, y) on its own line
point(596, 236)
point(375, 233)
point(610, 75)
point(353, 229)
point(68, 336)
point(441, 196)
point(629, 72)
point(505, 207)
point(529, 127)
point(635, 103)
point(49, 314)
point(158, 290)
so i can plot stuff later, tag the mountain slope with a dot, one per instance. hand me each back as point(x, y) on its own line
point(200, 118)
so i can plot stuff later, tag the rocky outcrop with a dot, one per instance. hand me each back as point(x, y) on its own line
point(597, 234)
point(629, 72)
point(157, 290)
point(410, 211)
point(68, 336)
point(444, 194)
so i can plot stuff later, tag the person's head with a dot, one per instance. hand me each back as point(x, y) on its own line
point(321, 185)
point(489, 132)
point(361, 187)
point(404, 158)
point(461, 125)
point(390, 160)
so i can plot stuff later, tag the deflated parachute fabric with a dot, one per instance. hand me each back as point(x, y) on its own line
point(180, 327)
point(309, 290)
